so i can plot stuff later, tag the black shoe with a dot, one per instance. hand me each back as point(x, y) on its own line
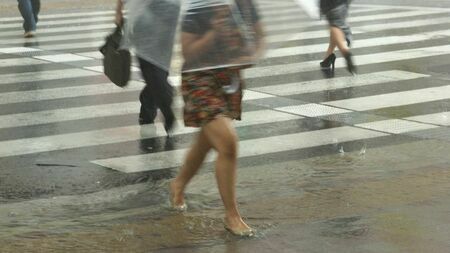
point(169, 124)
point(350, 65)
point(144, 121)
point(328, 62)
point(147, 116)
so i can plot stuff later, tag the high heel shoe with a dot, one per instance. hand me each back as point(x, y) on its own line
point(328, 62)
point(350, 64)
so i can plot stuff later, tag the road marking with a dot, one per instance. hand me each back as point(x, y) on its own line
point(359, 29)
point(62, 58)
point(67, 92)
point(100, 68)
point(89, 112)
point(393, 99)
point(54, 38)
point(118, 135)
point(441, 118)
point(62, 15)
point(339, 83)
point(421, 8)
point(82, 28)
point(90, 44)
point(391, 56)
point(293, 24)
point(20, 62)
point(312, 110)
point(270, 38)
point(396, 126)
point(45, 75)
point(384, 41)
point(15, 50)
point(73, 21)
point(298, 25)
point(93, 54)
point(247, 148)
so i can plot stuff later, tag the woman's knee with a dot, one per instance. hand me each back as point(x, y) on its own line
point(228, 146)
point(223, 137)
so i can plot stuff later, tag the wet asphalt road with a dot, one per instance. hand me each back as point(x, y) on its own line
point(327, 162)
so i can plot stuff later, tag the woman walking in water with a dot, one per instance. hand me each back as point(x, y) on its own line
point(213, 97)
point(336, 12)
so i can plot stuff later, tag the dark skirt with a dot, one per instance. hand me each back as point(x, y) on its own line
point(205, 99)
point(337, 17)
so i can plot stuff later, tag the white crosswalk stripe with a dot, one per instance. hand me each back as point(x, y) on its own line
point(338, 83)
point(394, 99)
point(406, 54)
point(248, 148)
point(116, 135)
point(64, 49)
point(86, 112)
point(45, 75)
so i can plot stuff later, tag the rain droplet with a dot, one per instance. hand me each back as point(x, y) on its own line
point(341, 150)
point(362, 151)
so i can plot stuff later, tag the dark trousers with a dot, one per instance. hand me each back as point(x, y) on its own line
point(29, 9)
point(157, 93)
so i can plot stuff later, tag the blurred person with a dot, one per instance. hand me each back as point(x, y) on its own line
point(157, 93)
point(29, 9)
point(213, 99)
point(336, 12)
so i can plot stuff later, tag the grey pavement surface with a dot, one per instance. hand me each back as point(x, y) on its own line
point(328, 162)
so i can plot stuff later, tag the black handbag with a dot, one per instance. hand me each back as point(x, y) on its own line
point(116, 61)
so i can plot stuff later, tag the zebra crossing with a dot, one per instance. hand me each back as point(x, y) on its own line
point(54, 81)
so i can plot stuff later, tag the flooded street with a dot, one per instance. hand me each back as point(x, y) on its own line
point(389, 199)
point(328, 161)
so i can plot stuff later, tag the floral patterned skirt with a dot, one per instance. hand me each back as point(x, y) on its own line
point(205, 99)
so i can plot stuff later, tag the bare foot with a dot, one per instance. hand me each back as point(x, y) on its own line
point(238, 227)
point(176, 196)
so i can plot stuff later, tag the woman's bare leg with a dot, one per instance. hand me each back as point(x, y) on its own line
point(331, 45)
point(337, 38)
point(223, 138)
point(192, 164)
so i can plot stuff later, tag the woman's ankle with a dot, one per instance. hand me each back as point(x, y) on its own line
point(345, 52)
point(235, 223)
point(177, 191)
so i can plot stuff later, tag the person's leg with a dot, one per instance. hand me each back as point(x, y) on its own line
point(223, 138)
point(36, 5)
point(341, 34)
point(161, 91)
point(148, 108)
point(192, 164)
point(341, 42)
point(330, 57)
point(331, 46)
point(338, 38)
point(26, 11)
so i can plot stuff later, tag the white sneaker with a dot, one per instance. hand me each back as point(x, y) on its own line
point(29, 34)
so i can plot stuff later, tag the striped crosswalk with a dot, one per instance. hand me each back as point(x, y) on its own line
point(54, 81)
